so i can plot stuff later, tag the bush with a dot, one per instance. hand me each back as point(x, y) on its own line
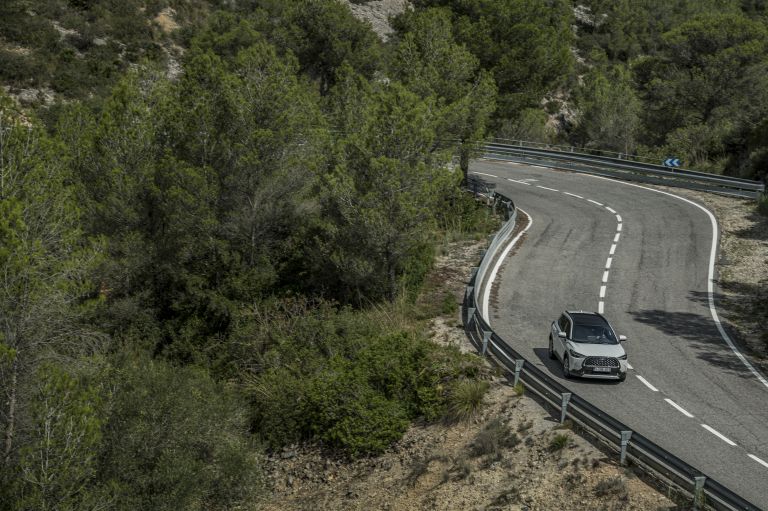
point(558, 442)
point(175, 439)
point(334, 377)
point(465, 399)
point(762, 204)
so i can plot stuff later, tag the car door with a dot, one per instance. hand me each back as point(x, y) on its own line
point(564, 324)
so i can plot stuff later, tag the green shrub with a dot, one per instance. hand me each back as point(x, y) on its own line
point(762, 204)
point(558, 442)
point(465, 399)
point(334, 377)
point(175, 439)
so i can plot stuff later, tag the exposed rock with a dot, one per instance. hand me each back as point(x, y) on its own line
point(378, 12)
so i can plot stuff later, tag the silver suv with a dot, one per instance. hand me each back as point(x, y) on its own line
point(587, 346)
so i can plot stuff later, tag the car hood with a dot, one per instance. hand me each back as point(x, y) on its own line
point(598, 350)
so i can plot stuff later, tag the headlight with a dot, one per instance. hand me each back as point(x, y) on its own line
point(623, 357)
point(575, 354)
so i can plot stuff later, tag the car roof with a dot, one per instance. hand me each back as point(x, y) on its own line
point(587, 318)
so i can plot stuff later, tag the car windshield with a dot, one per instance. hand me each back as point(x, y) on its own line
point(593, 334)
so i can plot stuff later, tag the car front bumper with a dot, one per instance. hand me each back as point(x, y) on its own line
point(579, 369)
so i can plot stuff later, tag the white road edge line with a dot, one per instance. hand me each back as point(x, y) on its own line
point(644, 381)
point(602, 291)
point(545, 188)
point(710, 279)
point(681, 410)
point(573, 195)
point(611, 210)
point(719, 435)
point(605, 276)
point(613, 249)
point(608, 263)
point(763, 463)
point(492, 276)
point(600, 306)
point(594, 202)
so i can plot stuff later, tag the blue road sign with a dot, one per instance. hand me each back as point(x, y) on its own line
point(671, 162)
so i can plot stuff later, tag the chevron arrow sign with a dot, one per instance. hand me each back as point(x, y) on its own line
point(671, 162)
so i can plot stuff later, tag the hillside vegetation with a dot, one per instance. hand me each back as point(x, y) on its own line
point(216, 218)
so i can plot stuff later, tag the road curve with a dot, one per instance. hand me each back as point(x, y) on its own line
point(644, 258)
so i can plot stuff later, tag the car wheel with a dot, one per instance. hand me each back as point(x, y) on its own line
point(552, 349)
point(622, 376)
point(566, 367)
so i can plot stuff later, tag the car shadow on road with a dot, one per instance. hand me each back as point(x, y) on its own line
point(699, 332)
point(555, 370)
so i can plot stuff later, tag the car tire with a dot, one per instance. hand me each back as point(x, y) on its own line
point(566, 367)
point(622, 376)
point(552, 349)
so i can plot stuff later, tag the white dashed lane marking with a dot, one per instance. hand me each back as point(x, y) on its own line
point(489, 175)
point(605, 276)
point(613, 249)
point(608, 263)
point(602, 291)
point(600, 306)
point(573, 195)
point(618, 218)
point(611, 210)
point(645, 382)
point(594, 202)
point(763, 463)
point(616, 238)
point(719, 435)
point(545, 188)
point(618, 227)
point(680, 408)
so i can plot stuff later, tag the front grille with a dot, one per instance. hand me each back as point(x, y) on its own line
point(601, 362)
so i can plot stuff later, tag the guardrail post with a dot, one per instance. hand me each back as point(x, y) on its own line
point(468, 291)
point(625, 435)
point(698, 492)
point(470, 315)
point(474, 270)
point(518, 368)
point(566, 397)
point(486, 337)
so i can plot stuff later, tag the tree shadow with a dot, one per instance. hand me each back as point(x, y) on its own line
point(477, 184)
point(757, 231)
point(699, 331)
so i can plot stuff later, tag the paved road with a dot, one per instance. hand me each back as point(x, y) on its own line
point(695, 399)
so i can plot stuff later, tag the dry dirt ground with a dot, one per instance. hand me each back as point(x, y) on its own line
point(506, 458)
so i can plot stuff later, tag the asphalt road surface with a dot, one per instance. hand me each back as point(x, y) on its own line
point(643, 257)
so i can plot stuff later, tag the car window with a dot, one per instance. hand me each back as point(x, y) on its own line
point(594, 334)
point(562, 323)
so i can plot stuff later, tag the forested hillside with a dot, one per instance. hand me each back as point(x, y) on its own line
point(215, 216)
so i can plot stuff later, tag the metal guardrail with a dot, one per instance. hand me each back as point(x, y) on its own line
point(623, 169)
point(703, 491)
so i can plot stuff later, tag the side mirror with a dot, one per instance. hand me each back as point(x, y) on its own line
point(561, 335)
point(622, 338)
